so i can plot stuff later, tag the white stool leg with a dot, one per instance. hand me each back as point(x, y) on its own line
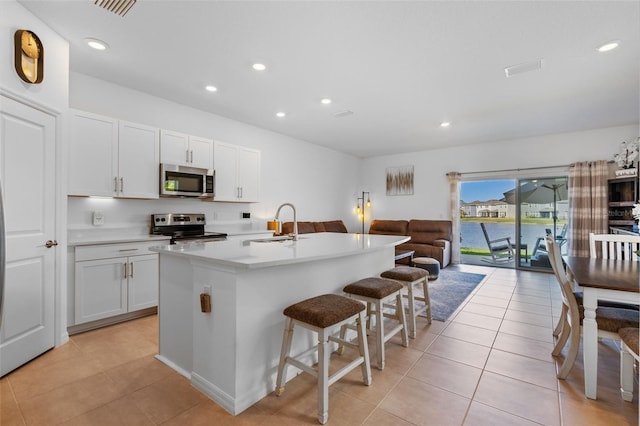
point(427, 299)
point(323, 377)
point(364, 349)
point(403, 319)
point(412, 310)
point(379, 334)
point(284, 353)
point(626, 373)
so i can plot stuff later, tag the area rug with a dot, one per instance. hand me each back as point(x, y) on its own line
point(450, 290)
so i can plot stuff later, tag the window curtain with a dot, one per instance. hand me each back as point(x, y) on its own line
point(454, 208)
point(588, 210)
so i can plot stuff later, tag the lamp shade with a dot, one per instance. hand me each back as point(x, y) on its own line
point(273, 225)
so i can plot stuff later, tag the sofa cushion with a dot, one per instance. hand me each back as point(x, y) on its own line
point(303, 227)
point(333, 226)
point(428, 231)
point(388, 227)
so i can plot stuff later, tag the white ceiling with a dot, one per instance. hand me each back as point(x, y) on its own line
point(401, 67)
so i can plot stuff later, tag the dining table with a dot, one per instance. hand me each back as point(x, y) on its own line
point(601, 279)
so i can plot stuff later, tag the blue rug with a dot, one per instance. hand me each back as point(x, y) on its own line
point(450, 290)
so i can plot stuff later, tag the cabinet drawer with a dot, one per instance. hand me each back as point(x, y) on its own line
point(105, 251)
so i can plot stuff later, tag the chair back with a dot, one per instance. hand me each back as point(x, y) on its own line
point(564, 280)
point(614, 246)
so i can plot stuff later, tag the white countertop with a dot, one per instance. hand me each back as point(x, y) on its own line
point(115, 238)
point(248, 254)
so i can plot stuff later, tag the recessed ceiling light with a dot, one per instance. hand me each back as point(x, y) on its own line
point(609, 46)
point(280, 114)
point(445, 124)
point(325, 101)
point(259, 67)
point(211, 88)
point(94, 43)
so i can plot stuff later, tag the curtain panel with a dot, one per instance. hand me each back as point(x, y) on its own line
point(588, 208)
point(454, 208)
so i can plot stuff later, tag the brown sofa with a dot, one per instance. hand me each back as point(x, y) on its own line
point(309, 227)
point(429, 238)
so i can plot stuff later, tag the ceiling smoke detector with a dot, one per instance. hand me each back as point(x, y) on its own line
point(522, 68)
point(119, 7)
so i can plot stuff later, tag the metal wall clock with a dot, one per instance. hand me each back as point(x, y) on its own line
point(29, 56)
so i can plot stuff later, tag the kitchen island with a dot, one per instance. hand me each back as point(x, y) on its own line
point(231, 354)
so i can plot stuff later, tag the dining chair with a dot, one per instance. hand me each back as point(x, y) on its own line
point(628, 353)
point(609, 320)
point(614, 246)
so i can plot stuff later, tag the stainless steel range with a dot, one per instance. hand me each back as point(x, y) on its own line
point(183, 228)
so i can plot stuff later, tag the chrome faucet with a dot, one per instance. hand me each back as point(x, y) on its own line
point(294, 235)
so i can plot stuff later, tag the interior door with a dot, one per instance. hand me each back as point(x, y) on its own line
point(27, 171)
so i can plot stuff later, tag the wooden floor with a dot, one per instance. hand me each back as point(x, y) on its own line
point(490, 364)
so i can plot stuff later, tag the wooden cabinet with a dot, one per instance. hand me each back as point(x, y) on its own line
point(237, 173)
point(186, 150)
point(114, 279)
point(112, 158)
point(623, 194)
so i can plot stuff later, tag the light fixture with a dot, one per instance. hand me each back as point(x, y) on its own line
point(211, 88)
point(445, 124)
point(281, 114)
point(259, 67)
point(94, 43)
point(360, 207)
point(610, 45)
point(325, 101)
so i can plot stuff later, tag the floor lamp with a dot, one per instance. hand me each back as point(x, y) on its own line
point(360, 207)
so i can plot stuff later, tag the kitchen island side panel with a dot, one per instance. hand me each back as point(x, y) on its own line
point(237, 346)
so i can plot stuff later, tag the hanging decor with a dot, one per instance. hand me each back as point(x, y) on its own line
point(400, 180)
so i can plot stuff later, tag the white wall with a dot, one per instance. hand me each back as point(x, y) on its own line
point(431, 189)
point(321, 183)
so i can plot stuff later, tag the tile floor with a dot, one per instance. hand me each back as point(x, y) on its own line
point(490, 364)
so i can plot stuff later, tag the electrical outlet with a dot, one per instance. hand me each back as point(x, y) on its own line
point(246, 215)
point(98, 219)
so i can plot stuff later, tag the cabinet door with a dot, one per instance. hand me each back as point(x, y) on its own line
point(93, 154)
point(101, 289)
point(201, 152)
point(138, 160)
point(249, 174)
point(225, 159)
point(174, 148)
point(143, 282)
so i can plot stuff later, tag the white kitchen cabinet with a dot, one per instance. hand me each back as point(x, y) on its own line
point(186, 150)
point(112, 158)
point(114, 279)
point(237, 173)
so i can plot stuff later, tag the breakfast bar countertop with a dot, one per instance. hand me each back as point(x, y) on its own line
point(253, 253)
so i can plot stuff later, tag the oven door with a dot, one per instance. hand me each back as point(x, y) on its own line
point(181, 181)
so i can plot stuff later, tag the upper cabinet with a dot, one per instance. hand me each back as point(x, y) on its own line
point(237, 173)
point(186, 150)
point(112, 158)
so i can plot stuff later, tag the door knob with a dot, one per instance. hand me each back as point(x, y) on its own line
point(50, 243)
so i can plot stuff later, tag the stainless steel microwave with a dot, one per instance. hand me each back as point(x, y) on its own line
point(184, 181)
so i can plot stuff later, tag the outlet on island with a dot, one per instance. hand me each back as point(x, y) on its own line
point(246, 215)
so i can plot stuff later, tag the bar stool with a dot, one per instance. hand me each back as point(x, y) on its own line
point(378, 294)
point(410, 277)
point(323, 314)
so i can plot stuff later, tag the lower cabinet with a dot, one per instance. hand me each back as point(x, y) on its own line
point(107, 284)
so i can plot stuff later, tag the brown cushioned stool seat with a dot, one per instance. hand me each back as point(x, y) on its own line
point(378, 294)
point(323, 314)
point(411, 277)
point(429, 264)
point(628, 353)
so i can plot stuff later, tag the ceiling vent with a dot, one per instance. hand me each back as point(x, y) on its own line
point(119, 7)
point(343, 113)
point(522, 68)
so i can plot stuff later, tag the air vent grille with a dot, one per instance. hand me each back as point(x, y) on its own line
point(119, 7)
